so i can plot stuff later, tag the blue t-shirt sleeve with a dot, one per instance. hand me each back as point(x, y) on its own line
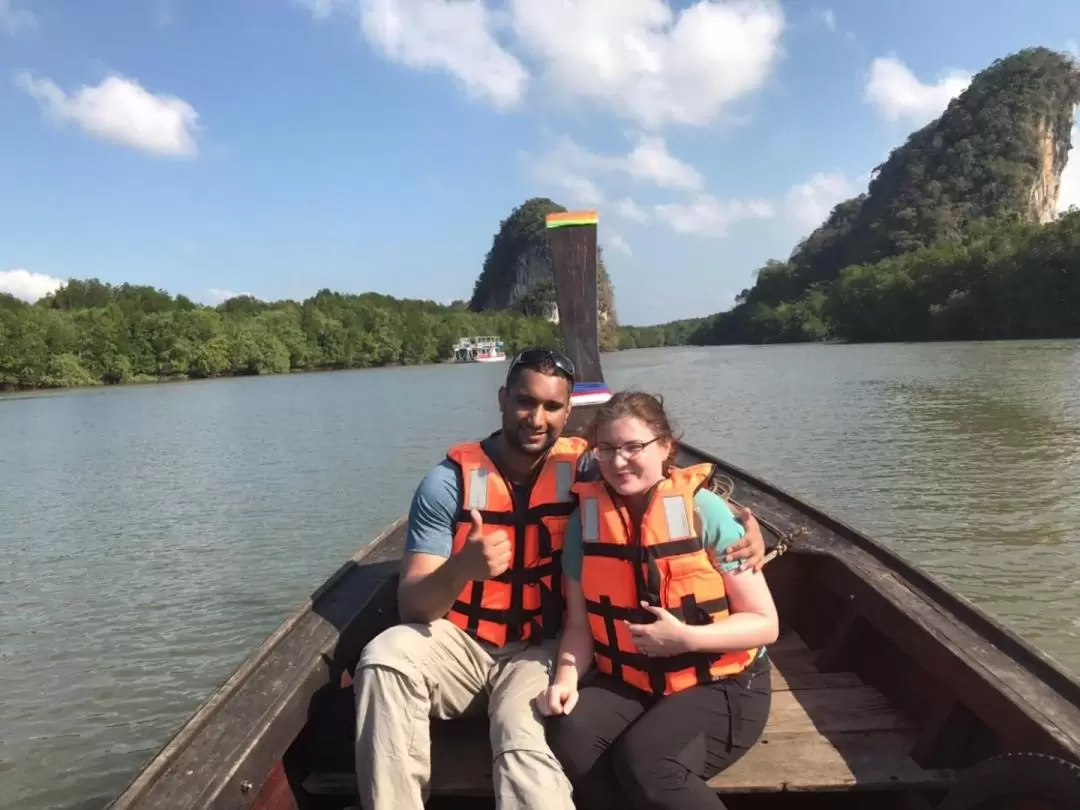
point(719, 528)
point(573, 555)
point(433, 511)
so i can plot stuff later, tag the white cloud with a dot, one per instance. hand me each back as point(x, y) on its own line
point(1069, 193)
point(708, 216)
point(121, 111)
point(899, 94)
point(650, 161)
point(809, 204)
point(456, 36)
point(566, 168)
point(805, 206)
point(637, 58)
point(628, 209)
point(615, 241)
point(647, 63)
point(14, 19)
point(828, 16)
point(28, 286)
point(572, 168)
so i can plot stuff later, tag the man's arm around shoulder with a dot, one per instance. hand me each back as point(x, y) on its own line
point(431, 576)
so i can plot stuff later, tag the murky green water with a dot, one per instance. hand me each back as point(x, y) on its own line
point(150, 537)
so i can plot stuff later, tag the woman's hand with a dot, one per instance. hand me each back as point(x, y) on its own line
point(559, 698)
point(665, 637)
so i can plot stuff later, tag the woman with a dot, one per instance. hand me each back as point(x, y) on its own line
point(681, 686)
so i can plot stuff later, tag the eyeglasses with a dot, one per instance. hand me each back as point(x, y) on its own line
point(537, 356)
point(605, 452)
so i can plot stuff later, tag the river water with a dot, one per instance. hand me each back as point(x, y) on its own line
point(151, 536)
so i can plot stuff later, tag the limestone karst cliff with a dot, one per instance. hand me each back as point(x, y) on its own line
point(995, 155)
point(517, 271)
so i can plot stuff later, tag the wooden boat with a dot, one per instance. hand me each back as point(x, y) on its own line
point(889, 689)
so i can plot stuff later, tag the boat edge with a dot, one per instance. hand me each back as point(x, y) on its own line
point(153, 768)
point(946, 596)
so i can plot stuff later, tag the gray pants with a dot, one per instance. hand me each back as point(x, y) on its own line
point(414, 672)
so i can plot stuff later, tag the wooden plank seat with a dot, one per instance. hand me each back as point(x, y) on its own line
point(826, 731)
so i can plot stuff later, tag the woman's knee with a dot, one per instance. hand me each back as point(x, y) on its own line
point(635, 769)
point(572, 743)
point(645, 769)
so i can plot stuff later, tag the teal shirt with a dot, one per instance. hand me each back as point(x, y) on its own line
point(718, 526)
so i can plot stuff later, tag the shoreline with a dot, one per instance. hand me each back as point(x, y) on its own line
point(182, 378)
point(7, 392)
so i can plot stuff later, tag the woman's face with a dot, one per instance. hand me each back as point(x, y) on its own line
point(630, 456)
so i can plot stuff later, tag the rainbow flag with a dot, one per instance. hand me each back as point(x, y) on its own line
point(564, 218)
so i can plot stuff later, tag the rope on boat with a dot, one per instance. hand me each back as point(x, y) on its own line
point(724, 486)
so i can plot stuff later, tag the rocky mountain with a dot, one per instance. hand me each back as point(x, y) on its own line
point(995, 155)
point(517, 271)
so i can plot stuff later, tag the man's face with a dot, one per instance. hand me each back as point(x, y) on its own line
point(534, 411)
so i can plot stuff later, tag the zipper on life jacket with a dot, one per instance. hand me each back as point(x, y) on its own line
point(646, 573)
point(515, 620)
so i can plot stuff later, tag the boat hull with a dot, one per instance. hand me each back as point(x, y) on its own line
point(890, 686)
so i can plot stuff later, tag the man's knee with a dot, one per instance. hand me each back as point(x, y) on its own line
point(402, 647)
point(517, 726)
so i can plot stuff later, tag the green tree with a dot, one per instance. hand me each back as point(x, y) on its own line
point(92, 333)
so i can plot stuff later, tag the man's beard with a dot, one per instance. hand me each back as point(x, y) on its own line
point(513, 439)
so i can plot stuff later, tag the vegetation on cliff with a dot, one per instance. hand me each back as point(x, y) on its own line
point(949, 221)
point(517, 271)
point(1015, 280)
point(90, 333)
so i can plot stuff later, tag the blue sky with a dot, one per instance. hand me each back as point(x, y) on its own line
point(276, 147)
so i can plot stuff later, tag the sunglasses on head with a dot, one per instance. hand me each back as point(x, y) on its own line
point(535, 357)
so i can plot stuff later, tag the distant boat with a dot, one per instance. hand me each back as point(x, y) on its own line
point(483, 349)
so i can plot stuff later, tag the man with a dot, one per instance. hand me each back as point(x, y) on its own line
point(480, 602)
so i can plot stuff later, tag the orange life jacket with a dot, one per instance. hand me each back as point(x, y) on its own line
point(526, 600)
point(666, 565)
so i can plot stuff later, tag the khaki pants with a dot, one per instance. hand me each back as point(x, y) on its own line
point(414, 672)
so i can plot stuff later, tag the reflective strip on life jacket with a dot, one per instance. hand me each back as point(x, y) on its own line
point(526, 600)
point(665, 564)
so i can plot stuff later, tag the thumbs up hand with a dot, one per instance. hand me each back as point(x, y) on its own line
point(487, 551)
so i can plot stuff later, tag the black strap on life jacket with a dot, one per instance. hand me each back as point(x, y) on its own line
point(689, 611)
point(543, 622)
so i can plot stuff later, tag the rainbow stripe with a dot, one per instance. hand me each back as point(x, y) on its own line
point(590, 393)
point(561, 220)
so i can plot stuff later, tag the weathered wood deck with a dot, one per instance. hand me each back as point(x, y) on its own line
point(826, 731)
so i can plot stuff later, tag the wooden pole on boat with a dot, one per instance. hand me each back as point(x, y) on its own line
point(572, 243)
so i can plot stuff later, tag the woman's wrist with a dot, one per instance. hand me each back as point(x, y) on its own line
point(566, 674)
point(692, 640)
